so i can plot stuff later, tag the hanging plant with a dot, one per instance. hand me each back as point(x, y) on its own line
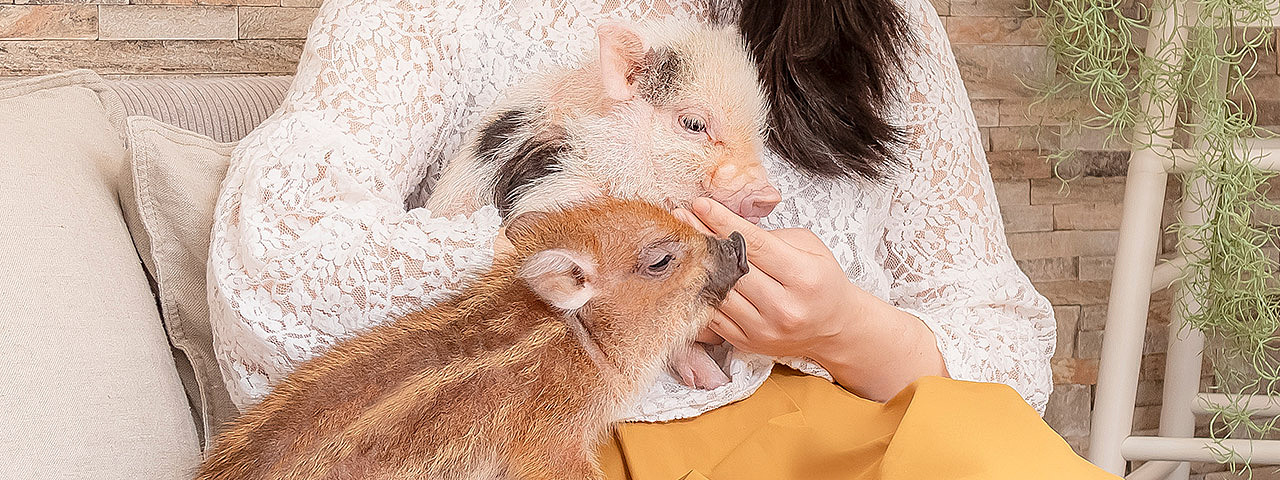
point(1232, 267)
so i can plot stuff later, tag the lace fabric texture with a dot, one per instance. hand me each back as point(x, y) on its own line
point(312, 240)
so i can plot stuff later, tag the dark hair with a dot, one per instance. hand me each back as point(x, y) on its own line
point(829, 69)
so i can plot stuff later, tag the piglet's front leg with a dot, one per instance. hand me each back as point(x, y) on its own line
point(695, 367)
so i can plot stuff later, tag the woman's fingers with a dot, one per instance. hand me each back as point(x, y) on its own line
point(802, 239)
point(756, 283)
point(734, 318)
point(709, 336)
point(719, 218)
point(727, 329)
point(758, 288)
point(691, 219)
point(763, 248)
point(739, 308)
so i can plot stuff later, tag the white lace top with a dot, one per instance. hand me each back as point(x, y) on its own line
point(312, 241)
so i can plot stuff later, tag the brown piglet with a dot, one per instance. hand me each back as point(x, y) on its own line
point(518, 377)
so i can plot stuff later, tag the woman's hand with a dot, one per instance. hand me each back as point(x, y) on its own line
point(797, 301)
point(763, 314)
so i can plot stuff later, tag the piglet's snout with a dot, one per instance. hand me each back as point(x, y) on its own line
point(758, 203)
point(728, 264)
point(738, 246)
point(745, 190)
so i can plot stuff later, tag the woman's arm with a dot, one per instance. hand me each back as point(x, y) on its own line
point(958, 304)
point(311, 241)
point(945, 244)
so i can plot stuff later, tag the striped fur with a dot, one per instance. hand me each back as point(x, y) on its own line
point(496, 383)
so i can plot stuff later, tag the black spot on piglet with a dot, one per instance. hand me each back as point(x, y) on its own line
point(532, 160)
point(498, 132)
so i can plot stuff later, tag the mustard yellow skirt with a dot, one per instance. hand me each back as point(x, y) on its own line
point(801, 427)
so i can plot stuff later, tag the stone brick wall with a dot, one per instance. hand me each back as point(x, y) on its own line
point(1063, 236)
point(153, 37)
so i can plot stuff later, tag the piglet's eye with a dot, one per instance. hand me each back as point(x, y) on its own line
point(693, 123)
point(661, 265)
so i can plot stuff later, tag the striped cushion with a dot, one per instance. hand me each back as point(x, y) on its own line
point(225, 109)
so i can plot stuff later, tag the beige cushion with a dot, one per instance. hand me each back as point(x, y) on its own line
point(88, 387)
point(176, 174)
point(225, 108)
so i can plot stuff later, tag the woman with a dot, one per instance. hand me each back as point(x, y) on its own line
point(885, 264)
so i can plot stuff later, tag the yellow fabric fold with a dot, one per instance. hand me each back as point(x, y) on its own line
point(802, 427)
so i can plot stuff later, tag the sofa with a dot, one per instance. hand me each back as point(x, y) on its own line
point(105, 372)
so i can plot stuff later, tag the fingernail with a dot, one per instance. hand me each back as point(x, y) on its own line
point(701, 205)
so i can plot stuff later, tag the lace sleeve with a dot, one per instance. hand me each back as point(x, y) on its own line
point(311, 239)
point(946, 249)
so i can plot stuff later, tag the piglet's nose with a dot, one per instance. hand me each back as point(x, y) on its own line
point(744, 188)
point(739, 247)
point(758, 203)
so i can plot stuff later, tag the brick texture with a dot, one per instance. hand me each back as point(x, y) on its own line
point(1063, 235)
point(275, 22)
point(153, 37)
point(187, 57)
point(166, 22)
point(62, 22)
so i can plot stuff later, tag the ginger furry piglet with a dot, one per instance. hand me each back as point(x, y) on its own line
point(518, 377)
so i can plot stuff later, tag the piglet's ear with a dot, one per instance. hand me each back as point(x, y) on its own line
point(621, 53)
point(561, 277)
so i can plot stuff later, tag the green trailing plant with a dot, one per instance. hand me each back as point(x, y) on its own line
point(1200, 78)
